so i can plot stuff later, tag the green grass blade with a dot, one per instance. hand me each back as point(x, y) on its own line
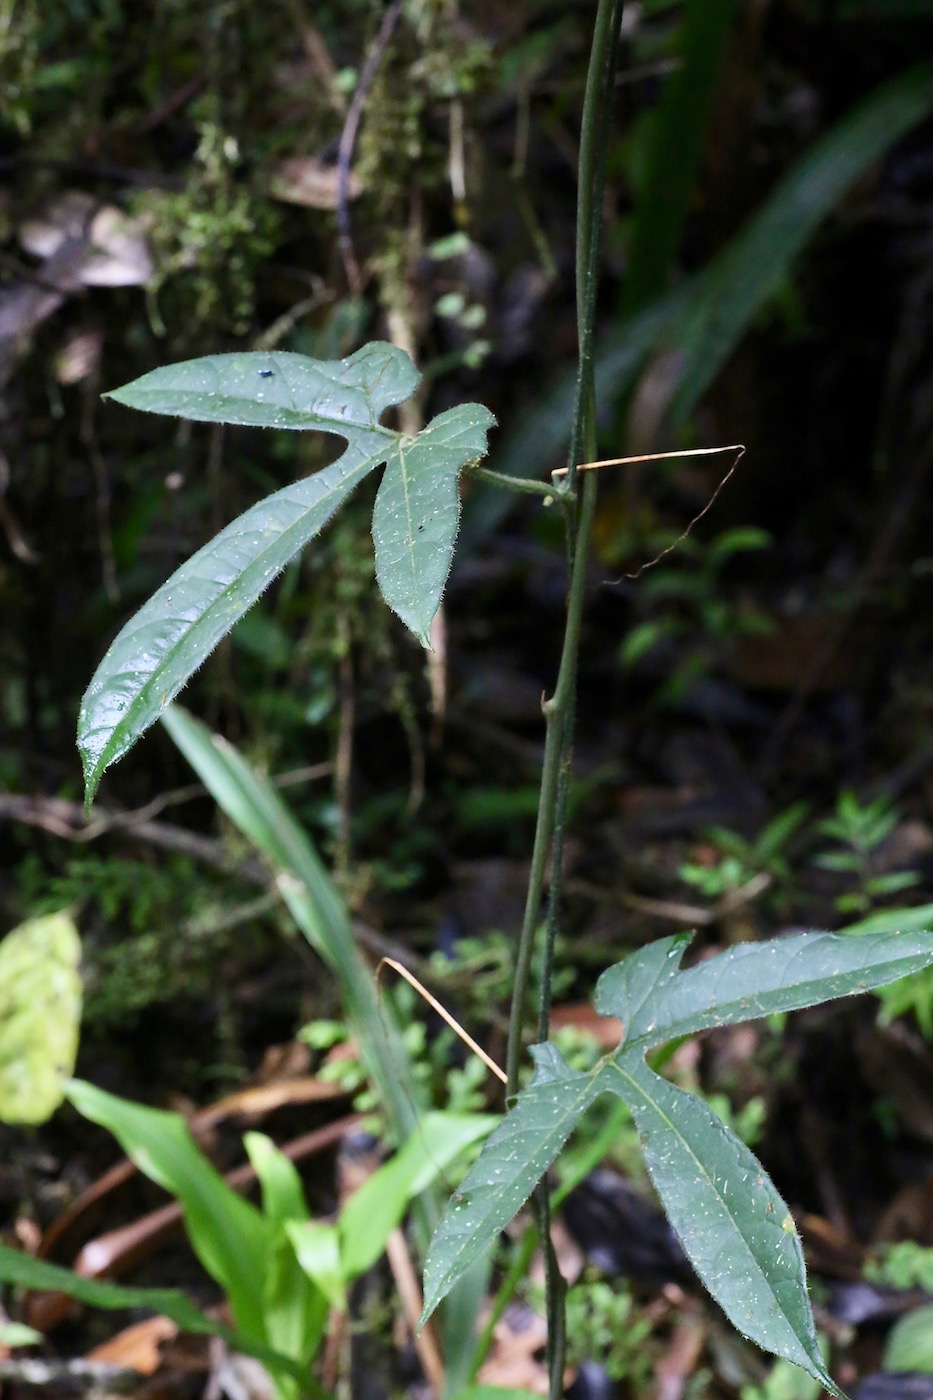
point(706, 318)
point(283, 1196)
point(253, 805)
point(316, 1248)
point(893, 921)
point(751, 270)
point(678, 135)
point(293, 1310)
point(373, 1212)
point(735, 1228)
point(25, 1272)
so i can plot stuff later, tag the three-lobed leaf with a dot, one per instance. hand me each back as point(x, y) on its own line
point(415, 524)
point(733, 1224)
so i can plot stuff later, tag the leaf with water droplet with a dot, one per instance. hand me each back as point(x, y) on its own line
point(297, 392)
point(657, 1002)
point(513, 1161)
point(417, 510)
point(167, 640)
point(733, 1224)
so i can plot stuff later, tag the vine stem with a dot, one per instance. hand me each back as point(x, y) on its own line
point(557, 709)
point(560, 707)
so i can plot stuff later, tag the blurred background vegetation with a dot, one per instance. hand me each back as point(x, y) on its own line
point(171, 186)
point(754, 746)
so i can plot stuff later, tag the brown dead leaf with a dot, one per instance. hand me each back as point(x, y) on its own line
point(310, 182)
point(581, 1016)
point(79, 357)
point(118, 255)
point(138, 1346)
point(516, 1360)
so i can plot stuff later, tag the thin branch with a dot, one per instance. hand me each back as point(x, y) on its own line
point(348, 137)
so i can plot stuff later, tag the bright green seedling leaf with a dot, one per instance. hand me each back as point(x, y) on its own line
point(294, 1310)
point(494, 1392)
point(736, 1230)
point(417, 511)
point(509, 1168)
point(26, 1272)
point(910, 1344)
point(40, 1013)
point(317, 1247)
point(227, 1233)
point(17, 1334)
point(161, 647)
point(655, 1001)
point(283, 1196)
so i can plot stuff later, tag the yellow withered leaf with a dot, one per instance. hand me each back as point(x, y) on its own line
point(40, 1012)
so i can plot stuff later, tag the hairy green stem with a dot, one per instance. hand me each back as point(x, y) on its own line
point(594, 137)
point(529, 486)
point(559, 709)
point(556, 713)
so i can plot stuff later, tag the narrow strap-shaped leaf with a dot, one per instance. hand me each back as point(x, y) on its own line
point(164, 643)
point(735, 1228)
point(705, 319)
point(227, 1233)
point(279, 390)
point(27, 1272)
point(283, 1196)
point(675, 143)
point(656, 1002)
point(254, 806)
point(748, 272)
point(293, 1310)
point(510, 1166)
point(417, 511)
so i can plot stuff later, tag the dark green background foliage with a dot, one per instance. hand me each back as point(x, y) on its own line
point(752, 746)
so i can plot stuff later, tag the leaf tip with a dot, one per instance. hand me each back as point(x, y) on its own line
point(92, 779)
